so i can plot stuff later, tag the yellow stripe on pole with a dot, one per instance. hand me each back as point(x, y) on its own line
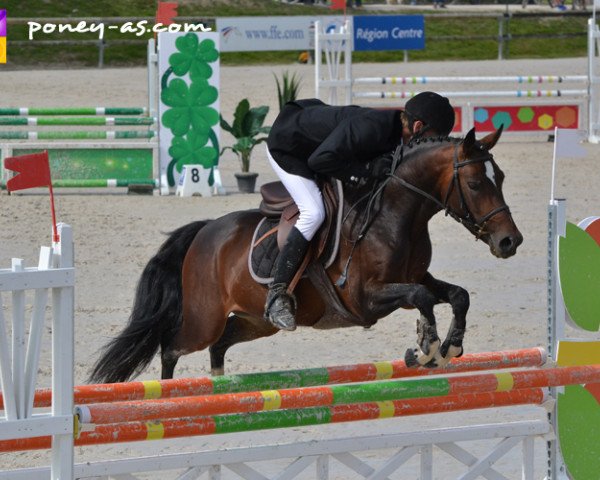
point(272, 399)
point(505, 382)
point(386, 409)
point(385, 370)
point(154, 430)
point(152, 389)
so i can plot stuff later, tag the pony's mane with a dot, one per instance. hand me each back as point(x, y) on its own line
point(432, 141)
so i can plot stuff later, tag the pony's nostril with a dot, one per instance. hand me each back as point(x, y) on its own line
point(507, 244)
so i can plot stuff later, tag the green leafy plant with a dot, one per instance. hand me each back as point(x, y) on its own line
point(246, 128)
point(287, 89)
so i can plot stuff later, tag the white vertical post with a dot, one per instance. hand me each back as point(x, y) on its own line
point(527, 473)
point(427, 462)
point(36, 330)
point(63, 358)
point(18, 342)
point(152, 79)
point(348, 64)
point(556, 319)
point(214, 473)
point(317, 59)
point(6, 381)
point(593, 109)
point(322, 467)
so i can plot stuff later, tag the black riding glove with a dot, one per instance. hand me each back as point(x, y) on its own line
point(380, 166)
point(377, 168)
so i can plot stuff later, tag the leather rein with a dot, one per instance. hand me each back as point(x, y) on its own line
point(477, 228)
point(468, 220)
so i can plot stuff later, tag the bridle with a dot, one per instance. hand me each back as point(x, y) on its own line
point(468, 219)
point(477, 228)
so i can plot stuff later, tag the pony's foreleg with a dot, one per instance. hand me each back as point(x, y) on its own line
point(390, 297)
point(458, 298)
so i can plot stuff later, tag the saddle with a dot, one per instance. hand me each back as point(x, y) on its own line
point(280, 215)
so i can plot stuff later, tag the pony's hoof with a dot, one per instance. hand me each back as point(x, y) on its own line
point(417, 357)
point(442, 360)
point(410, 358)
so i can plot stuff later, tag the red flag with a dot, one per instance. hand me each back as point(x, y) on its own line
point(32, 171)
point(338, 5)
point(165, 13)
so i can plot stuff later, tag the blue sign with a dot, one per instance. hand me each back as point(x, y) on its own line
point(389, 32)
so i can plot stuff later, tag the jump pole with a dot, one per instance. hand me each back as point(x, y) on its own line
point(96, 121)
point(26, 111)
point(184, 387)
point(295, 398)
point(140, 431)
point(77, 135)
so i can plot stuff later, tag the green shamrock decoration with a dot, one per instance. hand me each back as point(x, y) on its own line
point(190, 150)
point(189, 106)
point(191, 115)
point(194, 57)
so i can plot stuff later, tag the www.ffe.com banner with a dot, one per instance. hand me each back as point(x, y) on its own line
point(2, 36)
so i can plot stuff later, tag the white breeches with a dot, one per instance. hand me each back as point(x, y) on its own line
point(307, 196)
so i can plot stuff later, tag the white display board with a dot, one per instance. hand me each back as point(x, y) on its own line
point(188, 69)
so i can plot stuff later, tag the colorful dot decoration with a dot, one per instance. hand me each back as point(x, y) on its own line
point(525, 118)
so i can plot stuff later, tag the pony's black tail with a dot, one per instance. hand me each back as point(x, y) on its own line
point(156, 314)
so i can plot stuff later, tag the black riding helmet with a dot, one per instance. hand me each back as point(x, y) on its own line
point(433, 110)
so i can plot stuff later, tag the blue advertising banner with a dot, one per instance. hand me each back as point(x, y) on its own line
point(389, 32)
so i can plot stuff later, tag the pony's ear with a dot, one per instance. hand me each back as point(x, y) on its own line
point(468, 142)
point(491, 139)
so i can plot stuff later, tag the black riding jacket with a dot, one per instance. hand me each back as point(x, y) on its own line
point(311, 137)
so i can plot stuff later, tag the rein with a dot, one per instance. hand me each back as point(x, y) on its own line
point(468, 220)
point(372, 197)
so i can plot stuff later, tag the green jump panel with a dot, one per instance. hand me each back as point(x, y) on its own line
point(70, 165)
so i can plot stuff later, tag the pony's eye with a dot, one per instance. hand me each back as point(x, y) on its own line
point(474, 185)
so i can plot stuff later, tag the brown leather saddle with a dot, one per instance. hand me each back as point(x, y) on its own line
point(278, 207)
point(277, 203)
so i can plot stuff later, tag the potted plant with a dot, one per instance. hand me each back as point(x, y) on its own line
point(246, 128)
point(287, 89)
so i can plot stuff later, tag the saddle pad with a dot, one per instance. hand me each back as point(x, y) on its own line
point(262, 256)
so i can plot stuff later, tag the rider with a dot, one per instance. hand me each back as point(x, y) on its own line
point(309, 137)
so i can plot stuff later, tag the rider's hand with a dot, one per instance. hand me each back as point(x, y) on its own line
point(380, 166)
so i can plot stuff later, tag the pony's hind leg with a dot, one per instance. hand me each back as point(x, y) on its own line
point(168, 362)
point(237, 330)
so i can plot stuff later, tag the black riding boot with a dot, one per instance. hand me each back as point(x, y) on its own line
point(280, 309)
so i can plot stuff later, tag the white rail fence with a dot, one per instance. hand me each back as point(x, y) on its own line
point(19, 364)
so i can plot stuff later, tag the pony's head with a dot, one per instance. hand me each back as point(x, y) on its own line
point(474, 196)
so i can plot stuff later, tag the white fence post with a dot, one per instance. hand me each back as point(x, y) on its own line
point(593, 82)
point(18, 372)
point(334, 47)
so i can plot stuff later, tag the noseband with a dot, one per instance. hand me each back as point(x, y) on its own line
point(477, 228)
